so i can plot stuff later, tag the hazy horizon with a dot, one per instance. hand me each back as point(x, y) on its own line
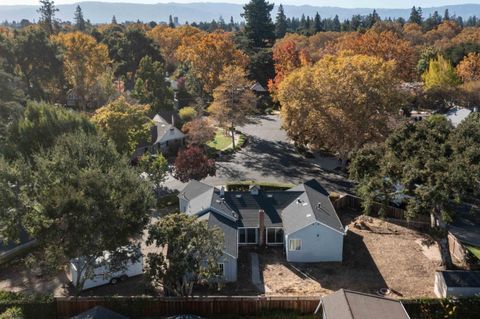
point(400, 4)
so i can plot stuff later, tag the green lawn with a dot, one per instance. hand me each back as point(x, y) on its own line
point(474, 250)
point(220, 142)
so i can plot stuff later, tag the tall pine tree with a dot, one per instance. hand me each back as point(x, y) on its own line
point(79, 21)
point(416, 16)
point(259, 27)
point(280, 23)
point(47, 15)
point(317, 23)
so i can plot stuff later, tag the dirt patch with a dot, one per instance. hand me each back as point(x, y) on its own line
point(379, 255)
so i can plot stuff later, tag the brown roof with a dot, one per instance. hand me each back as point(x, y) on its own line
point(345, 304)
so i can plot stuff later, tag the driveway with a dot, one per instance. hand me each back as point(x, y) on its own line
point(270, 156)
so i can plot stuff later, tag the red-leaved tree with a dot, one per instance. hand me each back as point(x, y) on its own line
point(193, 163)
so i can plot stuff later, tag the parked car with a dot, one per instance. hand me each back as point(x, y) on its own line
point(103, 273)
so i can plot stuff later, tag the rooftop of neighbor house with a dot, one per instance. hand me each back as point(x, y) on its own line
point(346, 304)
point(162, 128)
point(461, 278)
point(292, 209)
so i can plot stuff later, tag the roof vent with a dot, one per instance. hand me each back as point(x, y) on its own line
point(270, 195)
point(319, 205)
point(309, 215)
point(298, 201)
point(238, 196)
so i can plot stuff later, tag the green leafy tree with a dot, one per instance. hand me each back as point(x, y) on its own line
point(78, 199)
point(280, 23)
point(259, 27)
point(79, 20)
point(47, 16)
point(39, 64)
point(193, 252)
point(127, 48)
point(156, 166)
point(421, 162)
point(440, 73)
point(150, 85)
point(38, 127)
point(187, 113)
point(124, 123)
point(12, 313)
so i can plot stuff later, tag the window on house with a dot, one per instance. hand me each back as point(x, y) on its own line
point(294, 244)
point(274, 236)
point(247, 235)
point(221, 266)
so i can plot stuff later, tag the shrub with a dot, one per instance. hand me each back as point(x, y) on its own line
point(187, 113)
point(12, 313)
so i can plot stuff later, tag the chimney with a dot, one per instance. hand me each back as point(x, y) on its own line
point(173, 121)
point(261, 228)
point(222, 191)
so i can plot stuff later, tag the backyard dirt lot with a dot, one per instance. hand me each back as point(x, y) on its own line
point(382, 255)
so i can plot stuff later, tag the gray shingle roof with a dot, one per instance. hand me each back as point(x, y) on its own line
point(293, 209)
point(162, 128)
point(99, 312)
point(345, 304)
point(459, 278)
point(313, 205)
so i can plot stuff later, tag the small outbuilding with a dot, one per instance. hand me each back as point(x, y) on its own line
point(167, 139)
point(346, 304)
point(457, 283)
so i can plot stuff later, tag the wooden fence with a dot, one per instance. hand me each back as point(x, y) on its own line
point(139, 307)
point(390, 213)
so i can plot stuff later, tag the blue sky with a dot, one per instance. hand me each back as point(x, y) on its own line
point(336, 3)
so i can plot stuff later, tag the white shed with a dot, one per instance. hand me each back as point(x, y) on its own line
point(457, 283)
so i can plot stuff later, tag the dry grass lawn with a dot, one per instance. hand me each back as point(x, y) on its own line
point(383, 256)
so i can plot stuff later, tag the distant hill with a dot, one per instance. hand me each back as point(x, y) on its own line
point(99, 12)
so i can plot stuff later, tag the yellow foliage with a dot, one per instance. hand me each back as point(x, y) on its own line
point(440, 73)
point(341, 102)
point(207, 56)
point(85, 61)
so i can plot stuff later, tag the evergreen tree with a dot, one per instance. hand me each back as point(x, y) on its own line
point(317, 23)
point(47, 15)
point(170, 22)
point(280, 23)
point(259, 27)
point(416, 16)
point(336, 24)
point(79, 21)
point(446, 16)
point(114, 20)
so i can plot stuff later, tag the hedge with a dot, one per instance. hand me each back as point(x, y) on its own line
point(168, 200)
point(265, 186)
point(32, 305)
point(465, 308)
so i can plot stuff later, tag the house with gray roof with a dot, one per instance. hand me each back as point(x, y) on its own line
point(166, 137)
point(301, 219)
point(346, 304)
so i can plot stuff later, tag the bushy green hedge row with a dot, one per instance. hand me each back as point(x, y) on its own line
point(265, 186)
point(168, 200)
point(466, 308)
point(32, 306)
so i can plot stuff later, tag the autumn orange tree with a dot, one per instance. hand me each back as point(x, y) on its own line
point(287, 56)
point(233, 101)
point(85, 61)
point(386, 45)
point(340, 103)
point(169, 39)
point(469, 68)
point(207, 56)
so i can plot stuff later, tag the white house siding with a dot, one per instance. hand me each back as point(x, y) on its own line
point(230, 267)
point(319, 244)
point(183, 205)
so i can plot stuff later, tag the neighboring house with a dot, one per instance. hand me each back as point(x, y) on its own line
point(166, 137)
point(258, 88)
point(457, 114)
point(457, 283)
point(464, 235)
point(99, 312)
point(346, 304)
point(301, 219)
point(10, 250)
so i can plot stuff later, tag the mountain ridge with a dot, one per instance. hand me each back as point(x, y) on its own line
point(101, 12)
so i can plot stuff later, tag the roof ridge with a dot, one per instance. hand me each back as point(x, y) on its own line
point(370, 295)
point(348, 303)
